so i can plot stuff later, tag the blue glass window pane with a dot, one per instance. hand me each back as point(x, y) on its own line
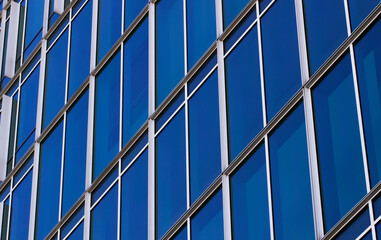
point(75, 153)
point(204, 137)
point(4, 193)
point(342, 177)
point(80, 48)
point(49, 183)
point(77, 233)
point(290, 180)
point(181, 234)
point(368, 59)
point(245, 23)
point(378, 230)
point(4, 224)
point(359, 9)
point(377, 206)
point(169, 110)
point(243, 94)
point(106, 182)
point(263, 4)
point(104, 217)
point(34, 20)
point(132, 8)
point(27, 112)
point(324, 34)
point(250, 211)
point(208, 221)
point(74, 219)
point(231, 9)
point(55, 81)
point(20, 173)
point(106, 139)
point(134, 151)
point(135, 82)
point(355, 227)
point(109, 25)
point(202, 73)
point(31, 65)
point(169, 47)
point(281, 80)
point(368, 236)
point(134, 212)
point(20, 209)
point(56, 33)
point(170, 174)
point(201, 28)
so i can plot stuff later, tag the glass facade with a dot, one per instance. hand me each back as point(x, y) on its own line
point(190, 119)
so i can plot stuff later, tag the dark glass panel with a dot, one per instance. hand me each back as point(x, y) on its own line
point(77, 234)
point(106, 182)
point(202, 73)
point(231, 9)
point(359, 9)
point(169, 110)
point(290, 179)
point(74, 219)
point(134, 150)
point(355, 227)
point(132, 8)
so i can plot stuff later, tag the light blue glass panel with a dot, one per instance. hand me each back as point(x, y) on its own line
point(290, 179)
point(201, 28)
point(104, 217)
point(208, 221)
point(27, 113)
point(20, 209)
point(359, 9)
point(170, 174)
point(368, 60)
point(80, 48)
point(131, 10)
point(281, 55)
point(204, 137)
point(75, 153)
point(49, 183)
point(324, 34)
point(134, 212)
point(250, 211)
point(231, 9)
point(342, 179)
point(109, 25)
point(355, 227)
point(244, 98)
point(169, 47)
point(55, 82)
point(106, 126)
point(135, 82)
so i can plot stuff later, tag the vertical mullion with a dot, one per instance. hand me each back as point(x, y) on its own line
point(185, 36)
point(223, 122)
point(62, 167)
point(151, 122)
point(264, 111)
point(309, 121)
point(10, 209)
point(119, 199)
point(187, 156)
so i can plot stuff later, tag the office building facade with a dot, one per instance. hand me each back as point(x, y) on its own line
point(190, 119)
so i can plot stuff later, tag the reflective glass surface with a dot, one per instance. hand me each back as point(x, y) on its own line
point(231, 9)
point(342, 178)
point(359, 9)
point(244, 99)
point(131, 10)
point(355, 227)
point(204, 137)
point(290, 179)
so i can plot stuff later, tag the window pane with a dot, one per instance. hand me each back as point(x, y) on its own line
point(342, 177)
point(49, 183)
point(181, 234)
point(73, 220)
point(135, 82)
point(208, 221)
point(5, 220)
point(104, 217)
point(134, 210)
point(281, 80)
point(109, 25)
point(131, 10)
point(55, 81)
point(80, 48)
point(20, 209)
point(250, 211)
point(231, 9)
point(324, 34)
point(359, 9)
point(368, 59)
point(75, 153)
point(169, 47)
point(201, 28)
point(290, 179)
point(355, 227)
point(243, 94)
point(34, 21)
point(106, 137)
point(27, 113)
point(170, 174)
point(77, 233)
point(204, 137)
